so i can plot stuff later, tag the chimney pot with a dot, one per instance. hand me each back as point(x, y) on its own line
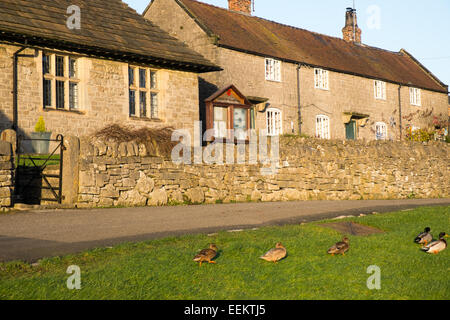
point(243, 6)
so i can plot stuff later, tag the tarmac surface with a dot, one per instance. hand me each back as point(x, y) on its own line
point(32, 235)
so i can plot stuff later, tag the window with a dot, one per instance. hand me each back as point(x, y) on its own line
point(274, 122)
point(143, 92)
point(273, 70)
point(322, 127)
point(321, 79)
point(61, 83)
point(380, 90)
point(415, 97)
point(381, 131)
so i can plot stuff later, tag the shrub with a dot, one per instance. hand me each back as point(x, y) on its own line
point(40, 125)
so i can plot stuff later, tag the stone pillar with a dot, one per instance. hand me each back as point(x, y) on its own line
point(6, 174)
point(70, 172)
point(10, 136)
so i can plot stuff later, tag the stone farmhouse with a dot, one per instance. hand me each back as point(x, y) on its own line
point(84, 64)
point(301, 81)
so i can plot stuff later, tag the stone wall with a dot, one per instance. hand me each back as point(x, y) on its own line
point(125, 174)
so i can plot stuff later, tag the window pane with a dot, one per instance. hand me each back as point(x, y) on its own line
point(73, 95)
point(142, 78)
point(240, 123)
point(59, 61)
point(47, 93)
point(252, 118)
point(154, 105)
point(132, 102)
point(153, 80)
point(143, 104)
point(131, 76)
point(240, 118)
point(220, 122)
point(45, 64)
point(72, 68)
point(60, 94)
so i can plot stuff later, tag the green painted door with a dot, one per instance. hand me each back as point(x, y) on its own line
point(350, 130)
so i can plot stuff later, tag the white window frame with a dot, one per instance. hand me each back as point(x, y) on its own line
point(66, 79)
point(321, 79)
point(415, 95)
point(323, 127)
point(151, 90)
point(380, 90)
point(381, 131)
point(272, 69)
point(274, 122)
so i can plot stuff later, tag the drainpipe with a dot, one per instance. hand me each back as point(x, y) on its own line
point(16, 57)
point(299, 101)
point(400, 111)
point(15, 113)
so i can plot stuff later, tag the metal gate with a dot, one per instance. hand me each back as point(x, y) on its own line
point(39, 174)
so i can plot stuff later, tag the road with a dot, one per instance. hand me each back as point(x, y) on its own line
point(32, 235)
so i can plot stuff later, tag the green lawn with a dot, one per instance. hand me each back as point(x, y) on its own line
point(38, 160)
point(164, 269)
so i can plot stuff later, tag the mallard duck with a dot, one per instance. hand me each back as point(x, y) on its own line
point(424, 237)
point(340, 247)
point(437, 246)
point(275, 254)
point(206, 255)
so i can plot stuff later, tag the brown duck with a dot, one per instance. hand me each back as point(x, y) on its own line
point(275, 254)
point(207, 255)
point(340, 247)
point(425, 237)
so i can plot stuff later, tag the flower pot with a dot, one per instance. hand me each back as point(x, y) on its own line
point(42, 143)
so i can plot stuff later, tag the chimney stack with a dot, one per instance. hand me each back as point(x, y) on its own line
point(351, 31)
point(242, 6)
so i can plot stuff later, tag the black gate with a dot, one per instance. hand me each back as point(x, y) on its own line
point(39, 173)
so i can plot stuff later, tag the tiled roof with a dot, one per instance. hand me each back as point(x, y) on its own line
point(263, 37)
point(109, 29)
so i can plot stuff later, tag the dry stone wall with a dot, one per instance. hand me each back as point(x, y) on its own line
point(126, 174)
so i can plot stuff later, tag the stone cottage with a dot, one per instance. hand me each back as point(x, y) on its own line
point(301, 81)
point(85, 64)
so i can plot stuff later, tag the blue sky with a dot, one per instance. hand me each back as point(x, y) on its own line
point(421, 27)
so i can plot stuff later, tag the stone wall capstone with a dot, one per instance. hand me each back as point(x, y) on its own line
point(125, 174)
